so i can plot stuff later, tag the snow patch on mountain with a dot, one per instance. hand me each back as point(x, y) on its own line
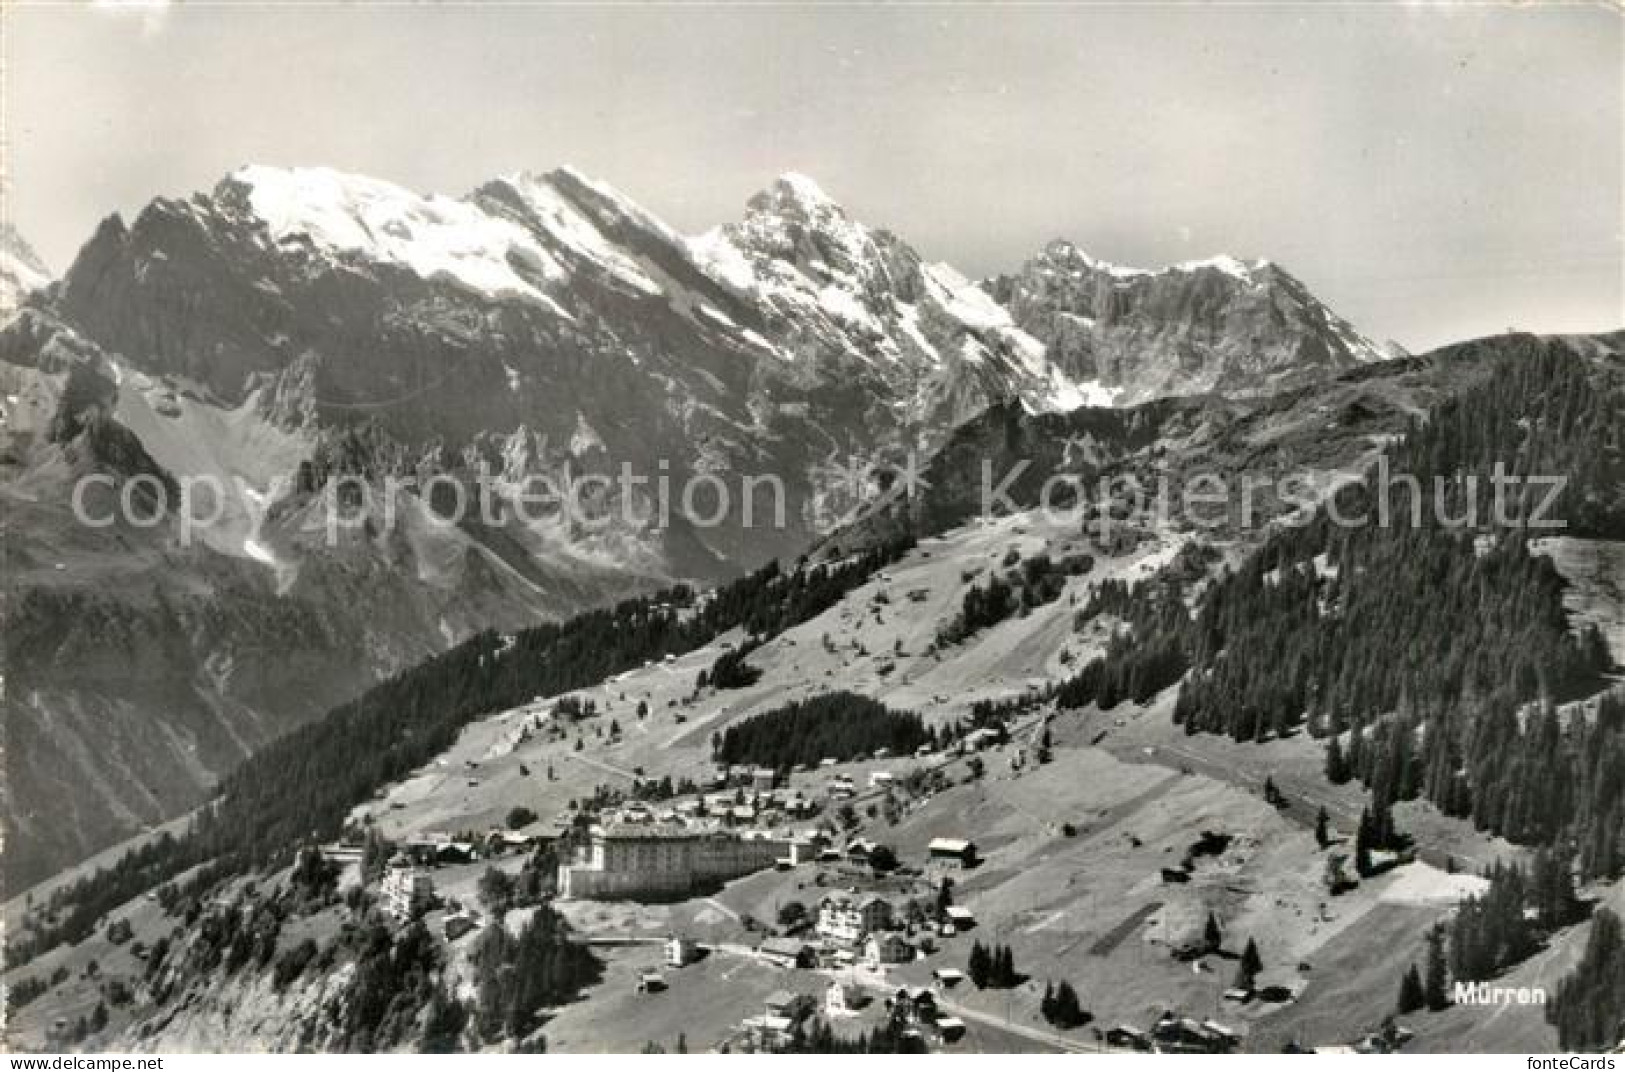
point(1069, 395)
point(714, 252)
point(585, 437)
point(1230, 266)
point(564, 221)
point(964, 301)
point(21, 270)
point(433, 236)
point(1082, 261)
point(618, 206)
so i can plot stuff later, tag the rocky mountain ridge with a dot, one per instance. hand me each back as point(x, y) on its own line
point(1220, 326)
point(292, 329)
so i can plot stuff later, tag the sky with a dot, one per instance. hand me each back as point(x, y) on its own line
point(1435, 172)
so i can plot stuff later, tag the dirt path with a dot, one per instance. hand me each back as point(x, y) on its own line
point(1114, 937)
point(608, 768)
point(724, 909)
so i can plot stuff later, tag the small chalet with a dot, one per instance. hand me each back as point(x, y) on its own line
point(844, 999)
point(1181, 1034)
point(681, 951)
point(1124, 1037)
point(914, 1004)
point(886, 948)
point(786, 953)
point(951, 853)
point(789, 1006)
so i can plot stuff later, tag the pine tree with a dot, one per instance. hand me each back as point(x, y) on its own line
point(980, 965)
point(1363, 839)
point(1251, 964)
point(1068, 1010)
point(1551, 884)
point(1323, 833)
point(1412, 995)
point(375, 854)
point(1384, 834)
point(443, 1023)
point(1436, 985)
point(1212, 936)
point(1004, 971)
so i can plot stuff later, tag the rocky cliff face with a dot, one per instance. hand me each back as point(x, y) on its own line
point(290, 331)
point(1222, 325)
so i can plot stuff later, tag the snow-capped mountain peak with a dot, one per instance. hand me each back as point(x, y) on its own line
point(1061, 253)
point(797, 295)
point(525, 236)
point(434, 236)
point(793, 190)
point(21, 270)
point(852, 295)
point(1231, 266)
point(794, 222)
